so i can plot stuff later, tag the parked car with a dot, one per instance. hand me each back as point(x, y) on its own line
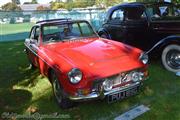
point(152, 27)
point(81, 65)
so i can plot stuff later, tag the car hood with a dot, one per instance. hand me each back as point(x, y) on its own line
point(97, 54)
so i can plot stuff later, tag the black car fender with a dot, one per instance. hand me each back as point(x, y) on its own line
point(159, 46)
point(103, 30)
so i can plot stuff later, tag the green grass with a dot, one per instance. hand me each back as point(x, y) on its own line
point(25, 91)
point(15, 28)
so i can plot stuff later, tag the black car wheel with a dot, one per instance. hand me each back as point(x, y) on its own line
point(59, 94)
point(171, 58)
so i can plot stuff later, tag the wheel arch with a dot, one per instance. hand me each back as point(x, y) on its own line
point(162, 44)
point(49, 71)
point(103, 30)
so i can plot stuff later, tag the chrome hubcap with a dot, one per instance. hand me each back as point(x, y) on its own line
point(173, 59)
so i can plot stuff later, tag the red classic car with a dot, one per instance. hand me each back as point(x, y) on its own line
point(81, 65)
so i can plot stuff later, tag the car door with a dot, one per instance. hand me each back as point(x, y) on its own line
point(32, 44)
point(136, 25)
point(116, 26)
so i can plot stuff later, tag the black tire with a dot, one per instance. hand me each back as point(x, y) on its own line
point(59, 93)
point(171, 58)
point(104, 35)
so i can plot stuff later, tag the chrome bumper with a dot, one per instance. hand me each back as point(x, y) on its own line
point(102, 94)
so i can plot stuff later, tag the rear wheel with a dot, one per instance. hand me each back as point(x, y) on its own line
point(171, 58)
point(59, 94)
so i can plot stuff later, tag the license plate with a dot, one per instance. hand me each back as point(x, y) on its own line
point(121, 95)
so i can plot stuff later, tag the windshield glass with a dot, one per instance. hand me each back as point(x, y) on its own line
point(67, 31)
point(164, 12)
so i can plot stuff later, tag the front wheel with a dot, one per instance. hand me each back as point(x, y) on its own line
point(59, 94)
point(171, 58)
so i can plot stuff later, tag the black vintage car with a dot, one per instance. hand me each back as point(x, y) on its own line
point(152, 27)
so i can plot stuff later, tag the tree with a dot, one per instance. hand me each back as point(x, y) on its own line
point(34, 2)
point(15, 11)
point(106, 3)
point(11, 7)
point(17, 2)
point(57, 5)
point(176, 1)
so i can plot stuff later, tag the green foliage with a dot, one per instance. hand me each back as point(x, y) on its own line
point(34, 2)
point(11, 7)
point(57, 5)
point(106, 3)
point(176, 1)
point(16, 2)
point(72, 4)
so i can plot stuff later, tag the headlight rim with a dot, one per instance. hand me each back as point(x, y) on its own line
point(106, 80)
point(71, 72)
point(141, 58)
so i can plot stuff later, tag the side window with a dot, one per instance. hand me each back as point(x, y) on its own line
point(135, 13)
point(35, 33)
point(86, 31)
point(32, 33)
point(117, 15)
point(75, 29)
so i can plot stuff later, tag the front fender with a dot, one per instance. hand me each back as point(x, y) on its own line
point(173, 39)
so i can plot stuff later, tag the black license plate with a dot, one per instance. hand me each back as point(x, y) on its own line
point(123, 94)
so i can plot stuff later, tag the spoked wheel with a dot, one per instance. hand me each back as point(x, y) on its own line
point(59, 94)
point(171, 58)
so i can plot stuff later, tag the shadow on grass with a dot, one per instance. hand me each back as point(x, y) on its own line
point(13, 71)
point(14, 65)
point(13, 100)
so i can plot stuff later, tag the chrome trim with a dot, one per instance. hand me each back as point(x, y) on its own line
point(102, 94)
point(120, 89)
point(90, 96)
point(36, 54)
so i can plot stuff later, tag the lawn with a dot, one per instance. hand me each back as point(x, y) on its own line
point(25, 91)
point(12, 28)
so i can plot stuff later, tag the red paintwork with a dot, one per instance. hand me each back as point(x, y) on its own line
point(97, 58)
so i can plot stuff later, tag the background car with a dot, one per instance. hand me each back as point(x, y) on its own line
point(81, 65)
point(152, 27)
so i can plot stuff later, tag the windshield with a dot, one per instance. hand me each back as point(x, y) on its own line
point(163, 12)
point(67, 31)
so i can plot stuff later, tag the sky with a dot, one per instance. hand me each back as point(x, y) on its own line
point(22, 1)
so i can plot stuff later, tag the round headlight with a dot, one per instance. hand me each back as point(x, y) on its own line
point(144, 58)
point(137, 76)
point(107, 84)
point(75, 75)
